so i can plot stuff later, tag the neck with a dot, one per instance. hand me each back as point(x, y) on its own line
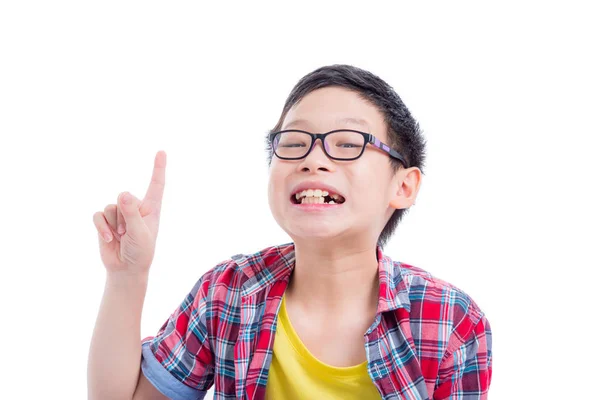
point(337, 279)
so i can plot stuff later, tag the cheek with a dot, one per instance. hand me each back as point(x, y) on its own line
point(272, 199)
point(276, 184)
point(368, 186)
point(271, 189)
point(362, 178)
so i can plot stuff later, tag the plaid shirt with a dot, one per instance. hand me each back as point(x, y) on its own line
point(429, 339)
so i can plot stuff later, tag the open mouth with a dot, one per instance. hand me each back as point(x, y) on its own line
point(317, 196)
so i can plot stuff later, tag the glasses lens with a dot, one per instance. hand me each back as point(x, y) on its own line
point(341, 144)
point(344, 144)
point(291, 144)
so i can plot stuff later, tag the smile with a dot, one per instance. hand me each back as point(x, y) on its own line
point(317, 196)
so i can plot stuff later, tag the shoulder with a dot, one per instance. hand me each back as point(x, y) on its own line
point(440, 305)
point(245, 270)
point(450, 333)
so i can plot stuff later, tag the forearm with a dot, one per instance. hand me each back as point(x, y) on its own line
point(115, 350)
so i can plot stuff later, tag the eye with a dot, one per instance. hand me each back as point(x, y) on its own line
point(292, 145)
point(293, 139)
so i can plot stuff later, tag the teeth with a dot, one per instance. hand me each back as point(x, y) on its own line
point(316, 196)
point(314, 193)
point(315, 200)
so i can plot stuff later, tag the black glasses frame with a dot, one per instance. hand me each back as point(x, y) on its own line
point(369, 138)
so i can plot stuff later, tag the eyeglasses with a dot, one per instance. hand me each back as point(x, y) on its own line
point(340, 144)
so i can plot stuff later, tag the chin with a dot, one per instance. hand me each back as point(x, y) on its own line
point(314, 231)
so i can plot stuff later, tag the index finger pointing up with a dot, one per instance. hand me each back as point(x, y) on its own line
point(155, 191)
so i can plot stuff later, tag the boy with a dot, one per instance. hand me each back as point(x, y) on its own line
point(327, 316)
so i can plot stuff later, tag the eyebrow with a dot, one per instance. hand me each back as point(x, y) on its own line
point(357, 121)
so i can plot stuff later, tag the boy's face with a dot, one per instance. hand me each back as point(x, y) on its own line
point(370, 189)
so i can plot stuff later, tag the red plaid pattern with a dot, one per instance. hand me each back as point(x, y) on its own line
point(429, 339)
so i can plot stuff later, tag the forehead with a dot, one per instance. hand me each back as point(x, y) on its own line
point(332, 108)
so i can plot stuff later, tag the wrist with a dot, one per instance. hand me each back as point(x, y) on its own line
point(126, 278)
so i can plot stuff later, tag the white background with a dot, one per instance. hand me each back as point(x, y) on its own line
point(507, 96)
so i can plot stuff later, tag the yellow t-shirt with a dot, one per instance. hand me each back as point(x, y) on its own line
point(296, 374)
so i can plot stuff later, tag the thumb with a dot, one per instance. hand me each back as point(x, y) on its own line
point(130, 208)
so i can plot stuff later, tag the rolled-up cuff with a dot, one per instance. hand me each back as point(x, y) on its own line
point(166, 383)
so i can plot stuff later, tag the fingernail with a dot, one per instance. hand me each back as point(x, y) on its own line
point(121, 229)
point(107, 237)
point(126, 198)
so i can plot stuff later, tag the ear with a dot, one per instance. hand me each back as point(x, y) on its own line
point(406, 187)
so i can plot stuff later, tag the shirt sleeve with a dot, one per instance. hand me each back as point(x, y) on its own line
point(178, 361)
point(466, 373)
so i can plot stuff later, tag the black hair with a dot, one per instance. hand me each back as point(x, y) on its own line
point(404, 133)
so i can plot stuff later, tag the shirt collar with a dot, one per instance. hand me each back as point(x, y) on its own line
point(393, 293)
point(276, 263)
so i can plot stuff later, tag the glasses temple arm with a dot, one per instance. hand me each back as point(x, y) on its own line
point(378, 143)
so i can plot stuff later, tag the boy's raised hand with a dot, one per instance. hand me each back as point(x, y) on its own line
point(131, 249)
